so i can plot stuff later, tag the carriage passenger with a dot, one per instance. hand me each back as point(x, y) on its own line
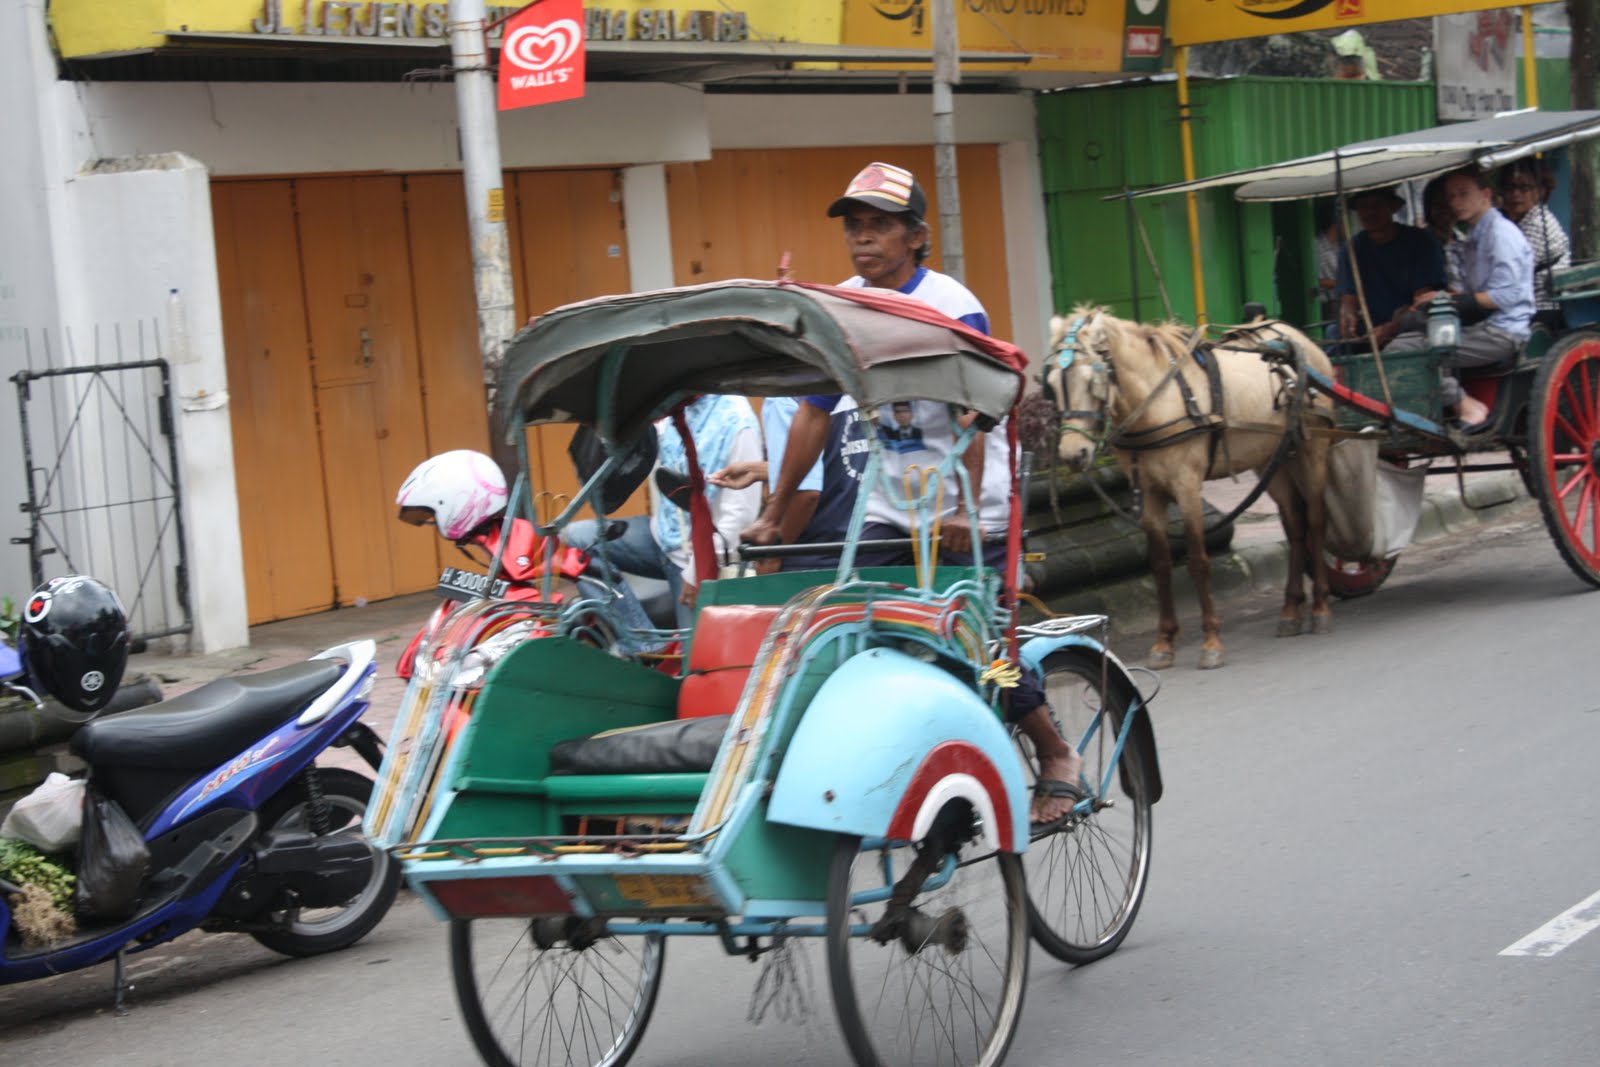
point(1396, 262)
point(1525, 185)
point(1496, 301)
point(887, 238)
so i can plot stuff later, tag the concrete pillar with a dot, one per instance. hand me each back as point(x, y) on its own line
point(644, 212)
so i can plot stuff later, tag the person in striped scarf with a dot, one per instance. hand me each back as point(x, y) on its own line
point(1525, 188)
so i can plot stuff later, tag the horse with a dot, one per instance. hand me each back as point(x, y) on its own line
point(1144, 390)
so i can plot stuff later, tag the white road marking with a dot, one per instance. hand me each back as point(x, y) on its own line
point(1559, 932)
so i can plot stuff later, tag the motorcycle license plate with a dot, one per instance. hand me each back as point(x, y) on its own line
point(457, 584)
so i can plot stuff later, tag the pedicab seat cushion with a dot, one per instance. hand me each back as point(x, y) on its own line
point(721, 652)
point(677, 746)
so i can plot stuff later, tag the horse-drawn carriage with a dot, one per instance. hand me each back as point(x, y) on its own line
point(1153, 394)
point(830, 762)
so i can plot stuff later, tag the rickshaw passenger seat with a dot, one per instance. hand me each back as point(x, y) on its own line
point(722, 650)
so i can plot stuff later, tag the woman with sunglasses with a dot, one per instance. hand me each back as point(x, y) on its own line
point(1525, 185)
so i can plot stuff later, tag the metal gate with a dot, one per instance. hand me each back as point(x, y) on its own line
point(103, 488)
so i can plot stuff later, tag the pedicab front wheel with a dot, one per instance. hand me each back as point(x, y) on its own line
point(937, 980)
point(553, 990)
point(1087, 876)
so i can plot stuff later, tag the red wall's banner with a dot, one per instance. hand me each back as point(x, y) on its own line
point(542, 57)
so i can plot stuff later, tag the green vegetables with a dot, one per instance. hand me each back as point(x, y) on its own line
point(22, 865)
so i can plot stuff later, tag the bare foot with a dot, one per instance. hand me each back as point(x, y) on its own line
point(1068, 768)
point(1473, 410)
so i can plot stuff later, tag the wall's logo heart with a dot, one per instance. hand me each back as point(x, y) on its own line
point(539, 48)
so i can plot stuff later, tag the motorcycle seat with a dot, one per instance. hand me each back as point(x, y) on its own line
point(203, 728)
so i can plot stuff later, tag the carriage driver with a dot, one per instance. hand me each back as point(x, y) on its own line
point(887, 239)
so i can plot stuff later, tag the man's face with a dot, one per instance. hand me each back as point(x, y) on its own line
point(1467, 199)
point(1375, 212)
point(883, 252)
point(902, 414)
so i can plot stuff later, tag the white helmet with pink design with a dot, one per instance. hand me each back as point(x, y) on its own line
point(455, 491)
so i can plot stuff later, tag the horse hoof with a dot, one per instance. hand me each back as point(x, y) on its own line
point(1289, 627)
point(1159, 661)
point(1322, 624)
point(1212, 658)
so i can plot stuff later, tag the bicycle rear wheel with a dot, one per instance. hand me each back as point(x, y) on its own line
point(1087, 878)
point(939, 981)
point(553, 990)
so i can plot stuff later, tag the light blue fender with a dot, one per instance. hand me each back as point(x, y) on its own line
point(886, 742)
point(1142, 736)
point(1035, 649)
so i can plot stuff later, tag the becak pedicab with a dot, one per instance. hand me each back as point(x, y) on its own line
point(833, 761)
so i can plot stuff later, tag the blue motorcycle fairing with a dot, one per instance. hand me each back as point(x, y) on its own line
point(261, 770)
point(10, 661)
point(886, 742)
point(1142, 736)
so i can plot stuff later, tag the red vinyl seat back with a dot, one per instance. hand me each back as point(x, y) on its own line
point(721, 652)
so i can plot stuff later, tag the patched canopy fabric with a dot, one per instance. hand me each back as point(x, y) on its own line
point(1404, 157)
point(619, 362)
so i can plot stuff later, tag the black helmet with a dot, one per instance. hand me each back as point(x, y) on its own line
point(75, 641)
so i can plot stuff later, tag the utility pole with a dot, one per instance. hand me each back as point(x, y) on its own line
point(476, 117)
point(947, 72)
point(1584, 18)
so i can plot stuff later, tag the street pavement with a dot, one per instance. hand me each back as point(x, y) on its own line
point(1355, 828)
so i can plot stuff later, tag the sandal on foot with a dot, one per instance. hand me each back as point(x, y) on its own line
point(1055, 787)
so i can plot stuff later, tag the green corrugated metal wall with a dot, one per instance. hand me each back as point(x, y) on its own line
point(1095, 142)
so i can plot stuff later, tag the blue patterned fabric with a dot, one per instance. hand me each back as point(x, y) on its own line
point(713, 421)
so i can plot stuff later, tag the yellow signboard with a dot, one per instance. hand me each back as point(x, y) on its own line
point(1095, 36)
point(95, 28)
point(1204, 21)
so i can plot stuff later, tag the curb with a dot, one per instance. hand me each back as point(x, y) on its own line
point(1263, 567)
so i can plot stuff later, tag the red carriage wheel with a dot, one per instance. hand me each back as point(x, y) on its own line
point(1350, 578)
point(1564, 450)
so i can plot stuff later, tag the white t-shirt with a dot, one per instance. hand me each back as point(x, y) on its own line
point(922, 432)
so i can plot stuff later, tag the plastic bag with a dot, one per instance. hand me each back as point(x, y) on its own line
point(112, 861)
point(1351, 498)
point(50, 817)
point(1373, 506)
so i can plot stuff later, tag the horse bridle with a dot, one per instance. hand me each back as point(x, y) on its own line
point(1102, 376)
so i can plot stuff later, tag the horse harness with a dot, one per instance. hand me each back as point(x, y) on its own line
point(1285, 361)
point(1286, 364)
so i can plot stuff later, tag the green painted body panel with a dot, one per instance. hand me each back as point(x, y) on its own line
point(771, 861)
point(588, 789)
point(1097, 142)
point(543, 692)
point(1413, 383)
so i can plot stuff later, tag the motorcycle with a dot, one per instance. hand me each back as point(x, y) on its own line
point(244, 832)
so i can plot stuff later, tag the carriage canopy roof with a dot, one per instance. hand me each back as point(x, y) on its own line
point(1403, 157)
point(619, 362)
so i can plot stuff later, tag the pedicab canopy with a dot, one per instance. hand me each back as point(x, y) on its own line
point(1488, 143)
point(619, 362)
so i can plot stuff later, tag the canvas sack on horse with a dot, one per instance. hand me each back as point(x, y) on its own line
point(1373, 506)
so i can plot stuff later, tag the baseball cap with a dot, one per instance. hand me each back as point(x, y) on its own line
point(884, 186)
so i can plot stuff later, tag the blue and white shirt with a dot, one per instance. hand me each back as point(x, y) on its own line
point(1496, 259)
point(922, 432)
